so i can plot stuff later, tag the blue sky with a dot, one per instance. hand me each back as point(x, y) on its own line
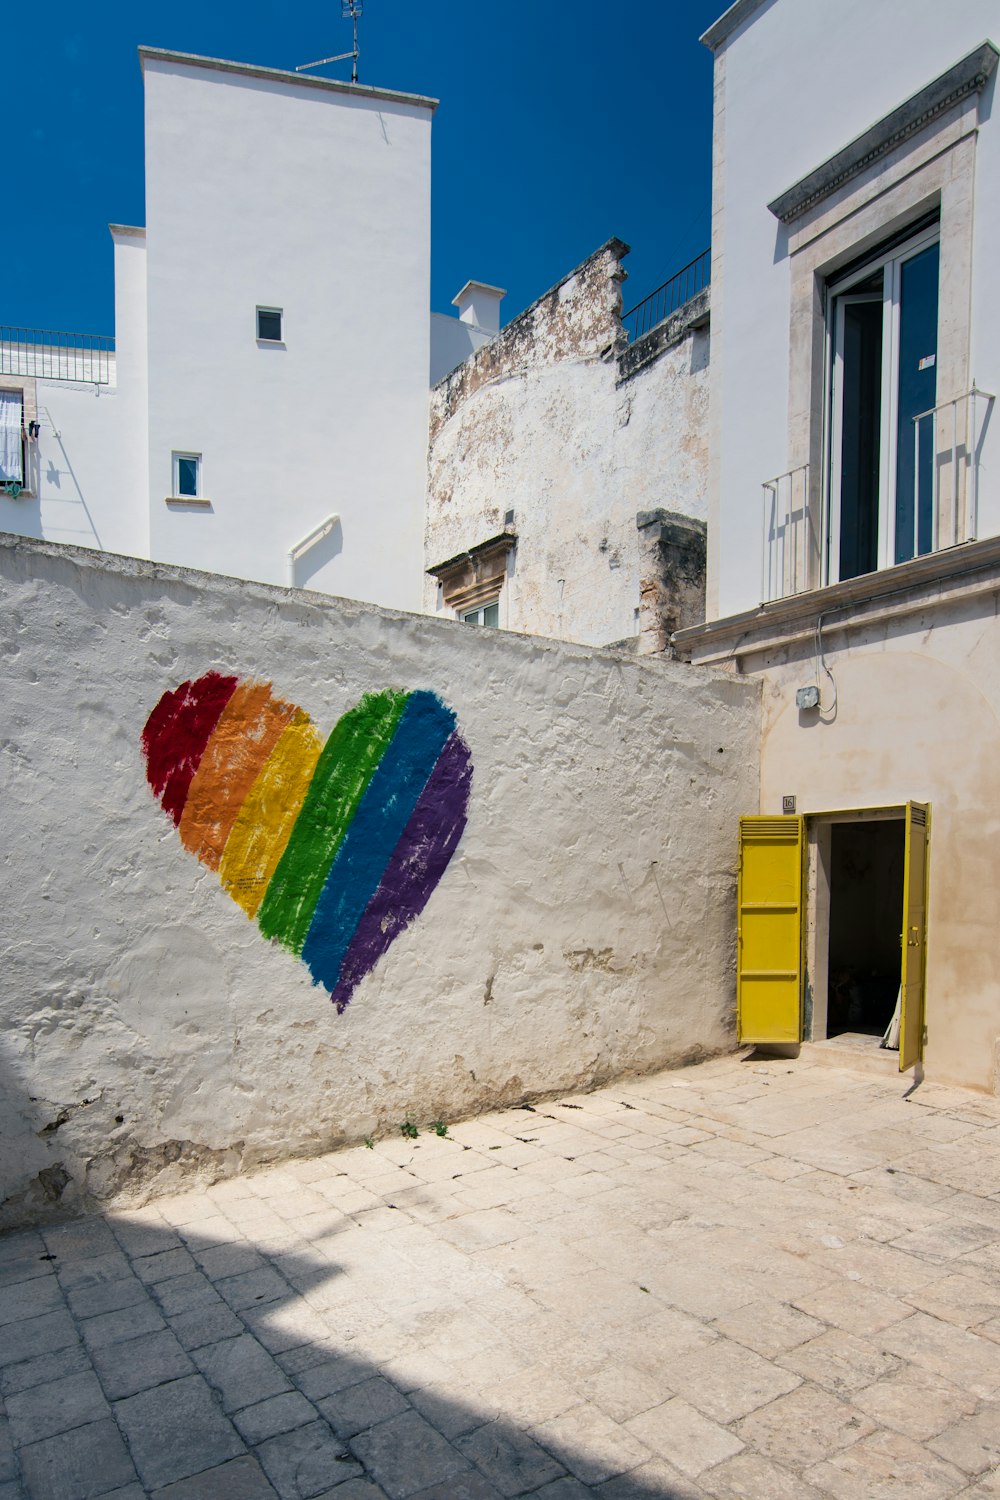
point(562, 122)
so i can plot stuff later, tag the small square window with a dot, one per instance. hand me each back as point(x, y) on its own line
point(187, 475)
point(269, 325)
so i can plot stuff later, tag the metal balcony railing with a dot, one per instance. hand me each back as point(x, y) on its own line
point(942, 511)
point(670, 297)
point(49, 355)
point(951, 436)
point(791, 540)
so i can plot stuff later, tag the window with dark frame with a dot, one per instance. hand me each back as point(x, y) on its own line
point(269, 325)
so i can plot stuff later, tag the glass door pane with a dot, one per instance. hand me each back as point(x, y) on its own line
point(917, 392)
point(860, 327)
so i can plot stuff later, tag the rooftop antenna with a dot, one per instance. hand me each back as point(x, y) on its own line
point(350, 10)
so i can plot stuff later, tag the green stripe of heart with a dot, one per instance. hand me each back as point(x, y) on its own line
point(347, 764)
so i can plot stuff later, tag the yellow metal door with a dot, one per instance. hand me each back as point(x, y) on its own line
point(914, 935)
point(769, 930)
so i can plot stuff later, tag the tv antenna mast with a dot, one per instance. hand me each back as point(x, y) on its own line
point(350, 10)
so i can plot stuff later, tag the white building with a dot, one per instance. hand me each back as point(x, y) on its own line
point(854, 511)
point(263, 409)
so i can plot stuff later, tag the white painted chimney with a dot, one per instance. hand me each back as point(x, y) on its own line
point(479, 304)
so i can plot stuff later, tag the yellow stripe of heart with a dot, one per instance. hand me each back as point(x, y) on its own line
point(265, 821)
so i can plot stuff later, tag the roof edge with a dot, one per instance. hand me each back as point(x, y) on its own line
point(728, 22)
point(132, 231)
point(281, 75)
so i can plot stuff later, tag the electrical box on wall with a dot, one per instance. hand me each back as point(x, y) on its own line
point(807, 697)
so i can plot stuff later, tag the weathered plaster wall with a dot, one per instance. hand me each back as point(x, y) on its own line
point(557, 422)
point(582, 928)
point(916, 717)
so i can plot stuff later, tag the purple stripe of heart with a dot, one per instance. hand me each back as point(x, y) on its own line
point(415, 866)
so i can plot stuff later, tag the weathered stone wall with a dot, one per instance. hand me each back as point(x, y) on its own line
point(148, 1031)
point(560, 422)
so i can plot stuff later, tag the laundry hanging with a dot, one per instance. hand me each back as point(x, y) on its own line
point(11, 451)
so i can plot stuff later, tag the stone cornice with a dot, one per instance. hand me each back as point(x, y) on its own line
point(966, 77)
point(915, 585)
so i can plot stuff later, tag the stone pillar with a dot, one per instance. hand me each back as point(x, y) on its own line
point(671, 577)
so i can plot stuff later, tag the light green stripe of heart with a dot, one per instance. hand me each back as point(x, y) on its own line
point(345, 767)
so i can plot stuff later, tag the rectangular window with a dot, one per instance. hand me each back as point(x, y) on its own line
point(882, 327)
point(487, 614)
point(11, 439)
point(269, 325)
point(187, 476)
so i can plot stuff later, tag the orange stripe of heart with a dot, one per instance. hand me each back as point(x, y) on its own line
point(249, 727)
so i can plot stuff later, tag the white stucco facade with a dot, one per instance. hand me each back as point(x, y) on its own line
point(294, 194)
point(845, 134)
point(582, 929)
point(794, 84)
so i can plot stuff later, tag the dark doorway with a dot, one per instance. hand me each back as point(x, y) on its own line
point(866, 916)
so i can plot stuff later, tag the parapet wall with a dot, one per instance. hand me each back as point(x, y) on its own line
point(573, 921)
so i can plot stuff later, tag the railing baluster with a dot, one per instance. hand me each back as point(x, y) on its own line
point(670, 297)
point(45, 355)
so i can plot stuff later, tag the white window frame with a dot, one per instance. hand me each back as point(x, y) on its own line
point(890, 262)
point(21, 483)
point(466, 614)
point(175, 458)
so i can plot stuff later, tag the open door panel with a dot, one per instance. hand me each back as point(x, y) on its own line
point(769, 930)
point(913, 939)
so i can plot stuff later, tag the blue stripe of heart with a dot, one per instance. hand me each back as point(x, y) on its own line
point(377, 826)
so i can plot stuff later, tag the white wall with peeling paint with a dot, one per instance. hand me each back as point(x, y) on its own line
point(147, 1033)
point(543, 422)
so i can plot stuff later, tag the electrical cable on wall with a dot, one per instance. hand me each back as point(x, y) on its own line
point(830, 712)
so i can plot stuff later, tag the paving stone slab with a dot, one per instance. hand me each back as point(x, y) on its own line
point(35, 1336)
point(303, 1464)
point(29, 1299)
point(406, 1455)
point(110, 1265)
point(917, 1404)
point(510, 1460)
point(886, 1466)
point(46, 1410)
point(125, 1369)
point(43, 1368)
point(256, 1424)
point(179, 1294)
point(176, 1430)
point(680, 1434)
point(726, 1381)
point(356, 1407)
point(77, 1465)
point(461, 1487)
point(240, 1479)
point(92, 1299)
point(804, 1427)
point(590, 1445)
point(205, 1325)
point(840, 1362)
point(750, 1477)
point(118, 1327)
point(972, 1444)
point(241, 1371)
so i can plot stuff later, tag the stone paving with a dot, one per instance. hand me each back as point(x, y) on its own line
point(751, 1278)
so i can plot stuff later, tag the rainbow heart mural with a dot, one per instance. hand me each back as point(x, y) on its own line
point(334, 848)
